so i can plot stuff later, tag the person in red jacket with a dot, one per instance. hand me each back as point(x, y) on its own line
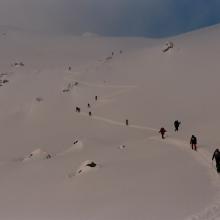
point(162, 132)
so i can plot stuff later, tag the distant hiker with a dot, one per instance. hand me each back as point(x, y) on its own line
point(193, 142)
point(5, 81)
point(112, 53)
point(126, 122)
point(48, 156)
point(176, 125)
point(69, 68)
point(75, 142)
point(77, 109)
point(216, 156)
point(90, 113)
point(21, 64)
point(96, 97)
point(162, 132)
point(89, 105)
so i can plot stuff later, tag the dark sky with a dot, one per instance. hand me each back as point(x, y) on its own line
point(152, 18)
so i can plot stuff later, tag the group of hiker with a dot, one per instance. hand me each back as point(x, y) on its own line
point(193, 143)
point(162, 131)
point(193, 140)
point(78, 109)
point(176, 128)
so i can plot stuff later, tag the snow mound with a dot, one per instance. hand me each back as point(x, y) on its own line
point(122, 147)
point(168, 45)
point(36, 155)
point(70, 86)
point(86, 167)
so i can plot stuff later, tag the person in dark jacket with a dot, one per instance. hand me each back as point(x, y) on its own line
point(162, 132)
point(126, 122)
point(216, 156)
point(176, 125)
point(193, 142)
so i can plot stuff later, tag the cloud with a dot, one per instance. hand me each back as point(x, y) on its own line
point(111, 17)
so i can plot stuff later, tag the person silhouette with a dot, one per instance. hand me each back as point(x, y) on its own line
point(162, 132)
point(193, 142)
point(176, 125)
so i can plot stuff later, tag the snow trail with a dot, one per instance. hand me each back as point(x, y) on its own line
point(113, 122)
point(203, 157)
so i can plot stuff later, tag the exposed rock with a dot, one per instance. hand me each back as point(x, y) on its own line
point(39, 99)
point(86, 167)
point(169, 45)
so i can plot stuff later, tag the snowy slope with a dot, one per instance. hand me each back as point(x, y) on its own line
point(47, 147)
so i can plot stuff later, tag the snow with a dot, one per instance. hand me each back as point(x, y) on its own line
point(137, 174)
point(37, 154)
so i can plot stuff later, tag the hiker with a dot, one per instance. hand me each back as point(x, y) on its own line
point(216, 156)
point(77, 109)
point(162, 131)
point(96, 97)
point(193, 142)
point(126, 122)
point(176, 125)
point(69, 68)
point(89, 105)
point(90, 113)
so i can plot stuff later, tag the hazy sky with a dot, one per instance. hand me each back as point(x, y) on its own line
point(111, 17)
